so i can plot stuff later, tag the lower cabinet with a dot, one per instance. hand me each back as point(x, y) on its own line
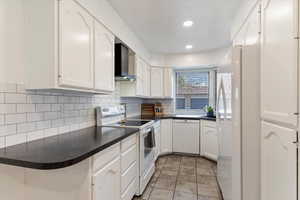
point(166, 136)
point(278, 163)
point(157, 132)
point(209, 140)
point(116, 171)
point(186, 136)
point(106, 182)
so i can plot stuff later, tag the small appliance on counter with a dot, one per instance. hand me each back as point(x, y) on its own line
point(148, 109)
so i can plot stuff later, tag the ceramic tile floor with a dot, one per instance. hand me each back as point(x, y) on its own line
point(182, 178)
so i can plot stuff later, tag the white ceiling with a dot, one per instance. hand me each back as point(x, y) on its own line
point(158, 23)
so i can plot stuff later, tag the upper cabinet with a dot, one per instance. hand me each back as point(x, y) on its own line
point(76, 51)
point(157, 82)
point(104, 58)
point(142, 78)
point(279, 73)
point(67, 48)
point(168, 83)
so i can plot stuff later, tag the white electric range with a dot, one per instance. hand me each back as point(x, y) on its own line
point(114, 116)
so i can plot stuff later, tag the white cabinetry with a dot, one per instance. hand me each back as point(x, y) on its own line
point(106, 182)
point(76, 67)
point(104, 58)
point(168, 83)
point(209, 140)
point(157, 132)
point(140, 87)
point(279, 165)
point(166, 136)
point(157, 82)
point(279, 72)
point(186, 136)
point(73, 52)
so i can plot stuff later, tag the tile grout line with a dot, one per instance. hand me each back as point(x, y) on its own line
point(177, 178)
point(196, 165)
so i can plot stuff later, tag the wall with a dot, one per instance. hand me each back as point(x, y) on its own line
point(190, 59)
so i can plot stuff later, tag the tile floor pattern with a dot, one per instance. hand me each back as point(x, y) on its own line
point(183, 178)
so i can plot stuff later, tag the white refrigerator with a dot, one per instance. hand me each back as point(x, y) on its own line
point(238, 124)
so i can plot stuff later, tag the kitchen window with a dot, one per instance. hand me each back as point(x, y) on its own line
point(195, 89)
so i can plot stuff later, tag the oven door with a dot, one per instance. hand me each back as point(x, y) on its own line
point(147, 153)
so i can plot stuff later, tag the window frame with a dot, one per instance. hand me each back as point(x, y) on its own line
point(212, 90)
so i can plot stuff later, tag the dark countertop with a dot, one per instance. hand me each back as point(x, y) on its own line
point(63, 150)
point(187, 117)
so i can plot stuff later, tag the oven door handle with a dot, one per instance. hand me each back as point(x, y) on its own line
point(153, 142)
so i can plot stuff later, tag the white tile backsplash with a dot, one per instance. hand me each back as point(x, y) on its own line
point(15, 118)
point(15, 98)
point(35, 135)
point(7, 108)
point(15, 139)
point(8, 130)
point(31, 115)
point(2, 142)
point(43, 107)
point(1, 119)
point(24, 108)
point(1, 97)
point(26, 127)
point(35, 99)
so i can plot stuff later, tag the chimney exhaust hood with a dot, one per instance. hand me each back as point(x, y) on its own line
point(122, 63)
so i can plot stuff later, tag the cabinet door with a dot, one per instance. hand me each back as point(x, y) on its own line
point(76, 67)
point(168, 83)
point(186, 136)
point(104, 58)
point(157, 82)
point(279, 61)
point(139, 77)
point(166, 136)
point(279, 163)
point(210, 143)
point(157, 141)
point(146, 79)
point(107, 182)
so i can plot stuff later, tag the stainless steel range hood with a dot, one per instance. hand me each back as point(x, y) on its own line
point(123, 63)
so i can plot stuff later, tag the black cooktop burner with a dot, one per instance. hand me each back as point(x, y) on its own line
point(133, 123)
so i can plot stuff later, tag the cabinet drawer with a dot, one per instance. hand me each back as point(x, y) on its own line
point(102, 158)
point(128, 157)
point(130, 191)
point(128, 176)
point(128, 142)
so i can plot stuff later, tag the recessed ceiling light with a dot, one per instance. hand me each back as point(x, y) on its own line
point(188, 23)
point(189, 46)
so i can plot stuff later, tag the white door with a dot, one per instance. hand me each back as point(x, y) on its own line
point(279, 61)
point(107, 182)
point(104, 58)
point(278, 162)
point(76, 67)
point(186, 136)
point(168, 82)
point(157, 76)
point(166, 136)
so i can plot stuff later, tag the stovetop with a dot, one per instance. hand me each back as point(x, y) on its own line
point(133, 123)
